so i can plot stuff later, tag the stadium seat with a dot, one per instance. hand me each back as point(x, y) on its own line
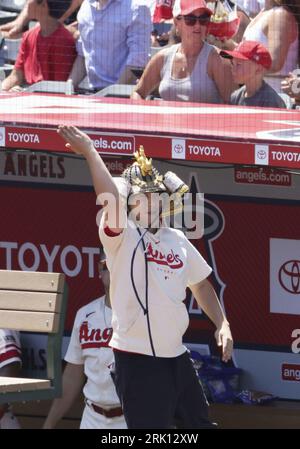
point(12, 49)
point(116, 90)
point(54, 87)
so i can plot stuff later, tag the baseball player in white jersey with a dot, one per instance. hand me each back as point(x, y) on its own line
point(90, 358)
point(10, 364)
point(150, 267)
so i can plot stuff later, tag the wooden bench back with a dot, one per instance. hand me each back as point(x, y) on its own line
point(31, 301)
point(34, 302)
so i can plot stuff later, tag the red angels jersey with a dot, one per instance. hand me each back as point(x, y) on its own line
point(10, 347)
point(89, 346)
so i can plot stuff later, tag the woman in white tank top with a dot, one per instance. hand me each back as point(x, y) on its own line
point(276, 28)
point(192, 70)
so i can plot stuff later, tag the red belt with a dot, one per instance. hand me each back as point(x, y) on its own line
point(108, 413)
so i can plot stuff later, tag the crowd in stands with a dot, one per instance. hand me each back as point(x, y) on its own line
point(106, 41)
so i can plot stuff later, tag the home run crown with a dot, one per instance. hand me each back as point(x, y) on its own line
point(143, 177)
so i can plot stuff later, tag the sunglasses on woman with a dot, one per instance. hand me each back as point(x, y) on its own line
point(191, 20)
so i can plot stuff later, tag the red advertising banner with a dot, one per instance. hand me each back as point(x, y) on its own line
point(49, 229)
point(218, 151)
point(160, 147)
point(46, 229)
point(262, 176)
point(290, 372)
point(252, 245)
point(284, 157)
point(48, 139)
point(237, 246)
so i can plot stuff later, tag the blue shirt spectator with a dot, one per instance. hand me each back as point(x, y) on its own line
point(114, 35)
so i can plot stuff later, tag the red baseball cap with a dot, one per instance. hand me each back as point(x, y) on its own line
point(250, 51)
point(186, 7)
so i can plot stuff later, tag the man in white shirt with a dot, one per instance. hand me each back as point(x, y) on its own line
point(89, 359)
point(114, 36)
point(150, 268)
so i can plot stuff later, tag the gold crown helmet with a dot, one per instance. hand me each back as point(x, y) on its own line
point(143, 177)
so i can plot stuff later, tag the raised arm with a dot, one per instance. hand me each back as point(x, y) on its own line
point(105, 188)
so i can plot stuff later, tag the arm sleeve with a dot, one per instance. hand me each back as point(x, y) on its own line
point(198, 268)
point(110, 240)
point(10, 347)
point(138, 37)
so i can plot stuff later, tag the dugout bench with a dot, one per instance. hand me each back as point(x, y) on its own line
point(34, 302)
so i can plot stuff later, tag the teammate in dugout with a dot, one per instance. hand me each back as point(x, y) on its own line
point(150, 267)
point(88, 360)
point(10, 366)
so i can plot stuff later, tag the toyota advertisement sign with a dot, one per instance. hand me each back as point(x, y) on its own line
point(285, 276)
